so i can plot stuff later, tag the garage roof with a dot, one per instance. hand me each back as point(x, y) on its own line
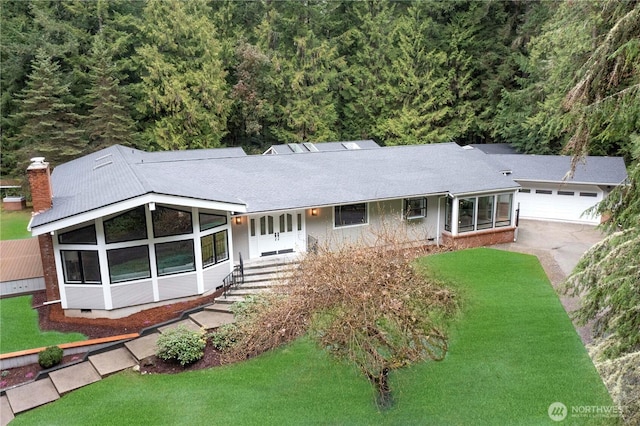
point(555, 168)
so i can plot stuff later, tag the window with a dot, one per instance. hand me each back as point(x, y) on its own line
point(525, 190)
point(478, 213)
point(448, 208)
point(175, 257)
point(208, 221)
point(544, 191)
point(350, 214)
point(466, 214)
point(485, 212)
point(81, 267)
point(571, 193)
point(126, 264)
point(85, 235)
point(588, 194)
point(128, 226)
point(503, 212)
point(215, 248)
point(415, 208)
point(167, 222)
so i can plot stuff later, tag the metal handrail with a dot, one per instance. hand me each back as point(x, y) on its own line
point(234, 278)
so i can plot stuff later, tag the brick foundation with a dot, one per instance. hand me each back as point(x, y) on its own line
point(14, 203)
point(487, 237)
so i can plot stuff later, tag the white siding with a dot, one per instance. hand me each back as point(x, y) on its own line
point(137, 293)
point(214, 275)
point(180, 285)
point(84, 297)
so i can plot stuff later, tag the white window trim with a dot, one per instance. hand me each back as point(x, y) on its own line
point(353, 225)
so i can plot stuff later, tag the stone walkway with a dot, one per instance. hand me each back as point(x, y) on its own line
point(34, 394)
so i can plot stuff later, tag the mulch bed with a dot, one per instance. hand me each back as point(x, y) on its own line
point(51, 317)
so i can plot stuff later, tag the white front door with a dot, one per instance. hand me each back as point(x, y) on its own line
point(276, 233)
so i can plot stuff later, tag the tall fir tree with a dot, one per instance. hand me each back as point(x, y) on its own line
point(108, 122)
point(184, 93)
point(418, 87)
point(366, 44)
point(48, 127)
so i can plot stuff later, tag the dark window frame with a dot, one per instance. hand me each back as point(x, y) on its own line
point(94, 241)
point(207, 227)
point(108, 221)
point(155, 222)
point(111, 251)
point(339, 212)
point(410, 212)
point(82, 269)
point(160, 257)
point(214, 258)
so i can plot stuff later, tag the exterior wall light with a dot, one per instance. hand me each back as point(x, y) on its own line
point(238, 220)
point(314, 212)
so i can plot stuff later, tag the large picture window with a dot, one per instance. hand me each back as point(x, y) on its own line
point(175, 257)
point(128, 226)
point(208, 221)
point(167, 222)
point(84, 235)
point(415, 208)
point(215, 248)
point(81, 266)
point(351, 214)
point(131, 263)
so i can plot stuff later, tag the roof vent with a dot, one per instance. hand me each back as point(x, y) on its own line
point(97, 166)
point(467, 147)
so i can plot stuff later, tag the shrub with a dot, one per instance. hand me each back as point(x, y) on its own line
point(181, 345)
point(50, 356)
point(224, 337)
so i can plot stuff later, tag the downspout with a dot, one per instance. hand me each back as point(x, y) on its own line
point(438, 224)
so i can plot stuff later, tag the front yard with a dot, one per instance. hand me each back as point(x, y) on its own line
point(513, 352)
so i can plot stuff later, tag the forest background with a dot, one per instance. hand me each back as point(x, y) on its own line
point(78, 76)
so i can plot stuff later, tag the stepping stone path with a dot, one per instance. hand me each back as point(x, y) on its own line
point(259, 277)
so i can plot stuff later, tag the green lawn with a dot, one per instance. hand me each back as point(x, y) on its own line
point(13, 225)
point(19, 327)
point(512, 353)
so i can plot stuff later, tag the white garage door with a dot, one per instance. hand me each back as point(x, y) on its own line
point(564, 203)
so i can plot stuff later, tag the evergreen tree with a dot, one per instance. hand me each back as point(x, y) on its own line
point(48, 127)
point(306, 70)
point(366, 44)
point(183, 89)
point(108, 122)
point(418, 90)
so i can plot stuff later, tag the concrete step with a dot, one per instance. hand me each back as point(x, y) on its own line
point(270, 269)
point(261, 285)
point(229, 298)
point(219, 307)
point(211, 319)
point(244, 292)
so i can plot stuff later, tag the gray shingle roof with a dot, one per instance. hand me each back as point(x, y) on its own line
point(554, 168)
point(271, 182)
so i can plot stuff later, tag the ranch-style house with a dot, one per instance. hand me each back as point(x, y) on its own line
point(122, 230)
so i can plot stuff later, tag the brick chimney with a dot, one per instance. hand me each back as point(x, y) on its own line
point(40, 182)
point(41, 197)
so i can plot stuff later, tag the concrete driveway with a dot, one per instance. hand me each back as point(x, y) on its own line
point(559, 247)
point(565, 242)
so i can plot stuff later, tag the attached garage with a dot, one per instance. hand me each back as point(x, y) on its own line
point(566, 203)
point(550, 192)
